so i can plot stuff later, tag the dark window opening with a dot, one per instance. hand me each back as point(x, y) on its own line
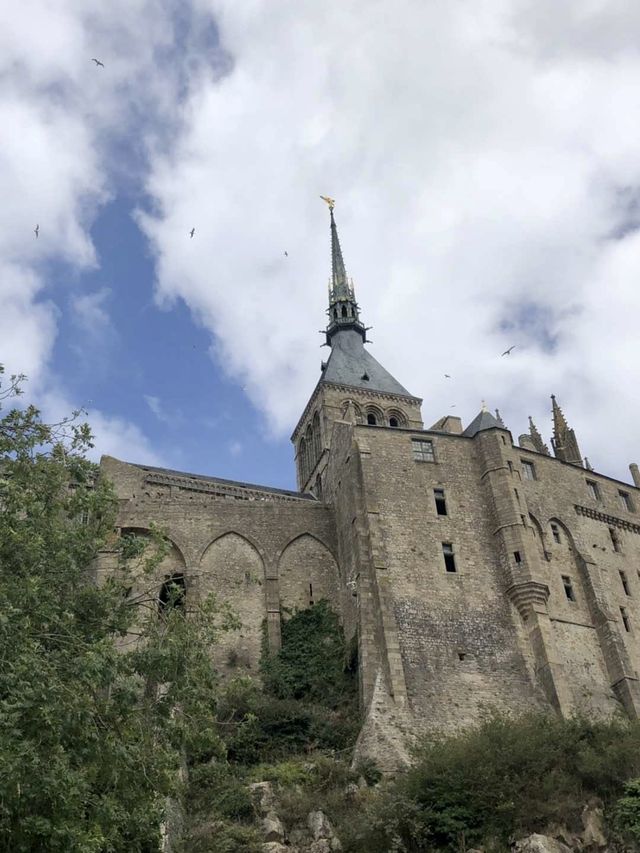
point(310, 593)
point(594, 491)
point(625, 619)
point(515, 491)
point(371, 419)
point(461, 655)
point(172, 593)
point(556, 533)
point(344, 310)
point(504, 440)
point(393, 422)
point(449, 559)
point(441, 503)
point(625, 500)
point(524, 520)
point(423, 450)
point(517, 556)
point(615, 541)
point(335, 313)
point(568, 588)
point(625, 583)
point(510, 464)
point(365, 377)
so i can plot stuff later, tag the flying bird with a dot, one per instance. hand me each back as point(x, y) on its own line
point(192, 232)
point(97, 62)
point(446, 376)
point(508, 351)
point(36, 231)
point(286, 254)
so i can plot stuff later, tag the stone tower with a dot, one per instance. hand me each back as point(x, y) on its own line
point(353, 385)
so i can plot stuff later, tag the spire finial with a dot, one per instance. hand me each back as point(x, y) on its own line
point(564, 442)
point(536, 438)
point(343, 308)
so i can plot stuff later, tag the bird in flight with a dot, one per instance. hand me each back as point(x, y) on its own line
point(97, 62)
point(286, 254)
point(508, 351)
point(446, 376)
point(192, 232)
point(36, 231)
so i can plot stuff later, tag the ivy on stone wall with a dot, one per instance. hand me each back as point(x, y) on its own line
point(315, 663)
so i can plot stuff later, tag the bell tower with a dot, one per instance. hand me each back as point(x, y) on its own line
point(353, 385)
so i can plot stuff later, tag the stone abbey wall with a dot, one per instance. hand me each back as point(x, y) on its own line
point(531, 618)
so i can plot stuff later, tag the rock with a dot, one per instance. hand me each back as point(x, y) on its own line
point(322, 845)
point(362, 782)
point(351, 791)
point(321, 829)
point(539, 844)
point(276, 847)
point(593, 835)
point(263, 797)
point(272, 827)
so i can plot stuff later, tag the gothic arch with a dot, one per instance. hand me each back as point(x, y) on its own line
point(317, 442)
point(302, 459)
point(309, 450)
point(307, 573)
point(232, 568)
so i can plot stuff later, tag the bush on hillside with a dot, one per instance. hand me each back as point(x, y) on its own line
point(506, 777)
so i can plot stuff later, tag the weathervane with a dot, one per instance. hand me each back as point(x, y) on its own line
point(330, 201)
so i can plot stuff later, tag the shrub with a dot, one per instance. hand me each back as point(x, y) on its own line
point(625, 814)
point(506, 776)
point(314, 662)
point(215, 791)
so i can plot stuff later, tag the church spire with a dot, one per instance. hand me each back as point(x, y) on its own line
point(536, 438)
point(343, 311)
point(564, 442)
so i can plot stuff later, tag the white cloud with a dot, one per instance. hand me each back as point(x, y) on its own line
point(482, 156)
point(90, 312)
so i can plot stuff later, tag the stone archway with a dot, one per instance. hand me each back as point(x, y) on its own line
point(307, 573)
point(233, 570)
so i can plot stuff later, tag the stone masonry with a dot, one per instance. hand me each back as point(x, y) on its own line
point(476, 572)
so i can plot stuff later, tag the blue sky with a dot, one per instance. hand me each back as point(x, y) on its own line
point(485, 163)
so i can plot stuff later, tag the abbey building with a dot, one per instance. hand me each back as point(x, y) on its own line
point(475, 571)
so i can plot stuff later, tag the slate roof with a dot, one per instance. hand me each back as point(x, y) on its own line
point(349, 362)
point(483, 420)
point(232, 483)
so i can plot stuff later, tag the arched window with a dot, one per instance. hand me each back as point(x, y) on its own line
point(344, 310)
point(335, 313)
point(393, 422)
point(302, 459)
point(308, 437)
point(172, 593)
point(317, 443)
point(371, 419)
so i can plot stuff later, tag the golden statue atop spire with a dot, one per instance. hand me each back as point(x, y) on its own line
point(330, 201)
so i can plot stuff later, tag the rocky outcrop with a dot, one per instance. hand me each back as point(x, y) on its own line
point(539, 844)
point(324, 838)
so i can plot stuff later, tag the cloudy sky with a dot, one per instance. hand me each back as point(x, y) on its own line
point(485, 157)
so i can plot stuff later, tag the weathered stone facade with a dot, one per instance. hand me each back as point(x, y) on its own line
point(475, 572)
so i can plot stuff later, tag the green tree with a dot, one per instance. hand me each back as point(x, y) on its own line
point(93, 729)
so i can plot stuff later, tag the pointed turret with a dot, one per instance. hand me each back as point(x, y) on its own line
point(564, 442)
point(343, 310)
point(483, 420)
point(536, 438)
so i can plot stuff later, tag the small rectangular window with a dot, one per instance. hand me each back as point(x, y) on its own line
point(449, 559)
point(625, 619)
point(594, 491)
point(626, 502)
point(423, 450)
point(517, 557)
point(510, 464)
point(441, 504)
point(555, 532)
point(615, 541)
point(568, 588)
point(528, 469)
point(624, 582)
point(515, 491)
